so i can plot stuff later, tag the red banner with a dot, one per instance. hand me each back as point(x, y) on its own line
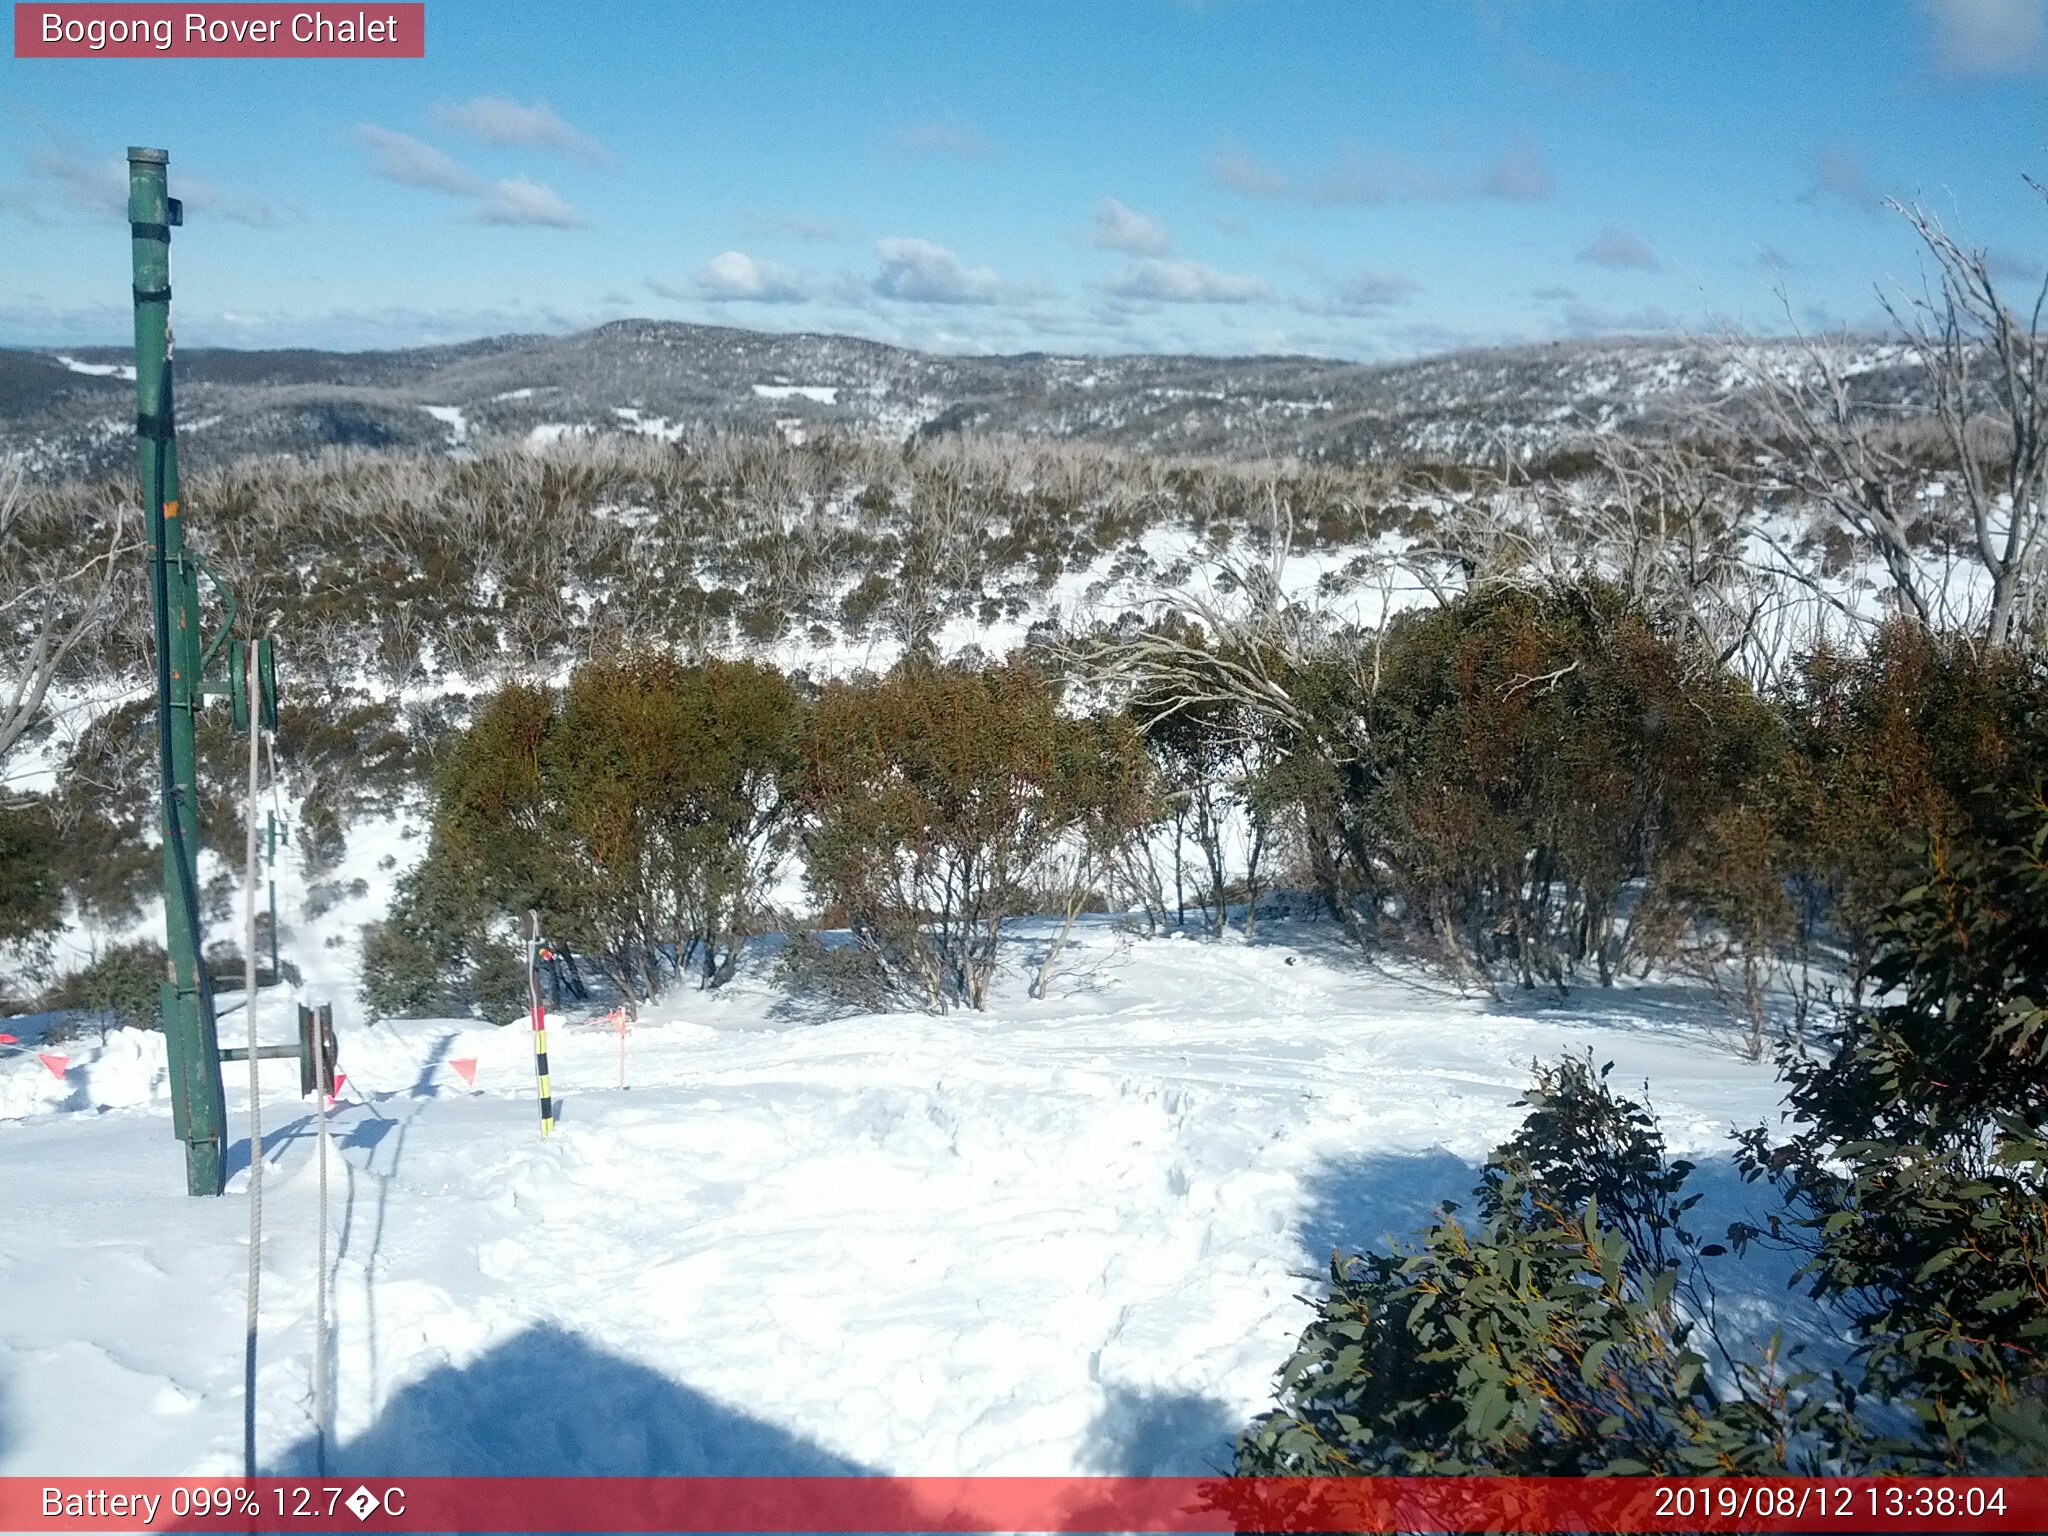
point(236, 31)
point(861, 1504)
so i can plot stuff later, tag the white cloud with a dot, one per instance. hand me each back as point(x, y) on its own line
point(2015, 268)
point(404, 159)
point(1377, 174)
point(1183, 282)
point(1838, 173)
point(90, 186)
point(1983, 38)
point(1592, 320)
point(736, 277)
point(793, 226)
point(1121, 228)
point(100, 188)
point(1372, 289)
point(1521, 175)
point(924, 273)
point(1240, 172)
point(520, 201)
point(1614, 247)
point(1379, 177)
point(962, 141)
point(496, 120)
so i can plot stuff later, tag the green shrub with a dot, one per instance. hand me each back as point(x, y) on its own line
point(121, 986)
point(31, 894)
point(642, 816)
point(498, 983)
point(1497, 771)
point(848, 976)
point(932, 799)
point(416, 960)
point(1920, 737)
point(1918, 1175)
point(1545, 1338)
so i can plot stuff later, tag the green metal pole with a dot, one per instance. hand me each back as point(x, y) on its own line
point(198, 1112)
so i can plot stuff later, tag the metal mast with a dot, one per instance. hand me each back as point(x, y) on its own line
point(186, 998)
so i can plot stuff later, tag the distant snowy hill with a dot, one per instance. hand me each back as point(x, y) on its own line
point(72, 409)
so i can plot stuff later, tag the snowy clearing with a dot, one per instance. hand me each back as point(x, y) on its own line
point(821, 394)
point(451, 417)
point(98, 370)
point(1064, 1236)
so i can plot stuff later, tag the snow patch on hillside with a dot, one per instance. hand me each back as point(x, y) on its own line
point(98, 370)
point(548, 433)
point(823, 394)
point(451, 417)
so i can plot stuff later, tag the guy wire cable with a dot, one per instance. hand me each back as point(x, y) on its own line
point(255, 1091)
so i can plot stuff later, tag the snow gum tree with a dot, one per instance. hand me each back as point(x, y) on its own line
point(933, 801)
point(641, 815)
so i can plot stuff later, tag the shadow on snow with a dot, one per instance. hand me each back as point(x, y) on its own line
point(1383, 1200)
point(547, 1403)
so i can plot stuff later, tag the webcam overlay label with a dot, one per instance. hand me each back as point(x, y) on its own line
point(232, 31)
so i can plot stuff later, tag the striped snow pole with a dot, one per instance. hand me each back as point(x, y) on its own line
point(540, 1025)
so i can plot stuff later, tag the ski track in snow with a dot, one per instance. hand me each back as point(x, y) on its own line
point(1064, 1236)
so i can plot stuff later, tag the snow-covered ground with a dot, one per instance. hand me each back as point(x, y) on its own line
point(1066, 1235)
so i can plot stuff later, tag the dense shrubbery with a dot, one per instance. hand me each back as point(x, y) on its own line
point(1918, 1174)
point(1536, 786)
point(1550, 1337)
point(1921, 737)
point(936, 801)
point(641, 816)
point(1539, 785)
point(120, 987)
point(1531, 756)
point(644, 813)
point(1556, 1334)
point(409, 565)
point(31, 898)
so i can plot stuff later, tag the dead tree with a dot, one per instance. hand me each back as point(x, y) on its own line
point(53, 597)
point(1986, 368)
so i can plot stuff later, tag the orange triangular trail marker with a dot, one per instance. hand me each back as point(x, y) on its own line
point(58, 1065)
point(467, 1067)
point(9, 1040)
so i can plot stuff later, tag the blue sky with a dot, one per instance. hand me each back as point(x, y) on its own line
point(1356, 179)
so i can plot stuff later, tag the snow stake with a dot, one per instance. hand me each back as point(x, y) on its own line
point(621, 1019)
point(540, 1026)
